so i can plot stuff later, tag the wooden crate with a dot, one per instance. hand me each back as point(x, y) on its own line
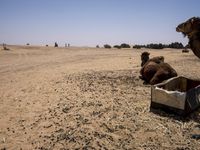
point(179, 95)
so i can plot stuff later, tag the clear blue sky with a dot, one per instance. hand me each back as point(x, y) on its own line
point(92, 22)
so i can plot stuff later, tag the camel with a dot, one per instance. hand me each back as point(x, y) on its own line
point(191, 29)
point(155, 70)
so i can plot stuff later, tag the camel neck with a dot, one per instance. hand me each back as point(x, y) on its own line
point(194, 36)
point(194, 41)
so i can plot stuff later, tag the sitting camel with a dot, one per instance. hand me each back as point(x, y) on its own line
point(191, 28)
point(145, 58)
point(155, 70)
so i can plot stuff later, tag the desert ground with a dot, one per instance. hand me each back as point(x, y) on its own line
point(88, 98)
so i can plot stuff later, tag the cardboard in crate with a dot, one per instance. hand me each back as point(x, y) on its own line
point(178, 95)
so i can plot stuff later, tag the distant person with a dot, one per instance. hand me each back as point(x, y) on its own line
point(68, 45)
point(5, 47)
point(56, 44)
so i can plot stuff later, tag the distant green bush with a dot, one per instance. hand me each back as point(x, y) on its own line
point(155, 46)
point(117, 46)
point(139, 46)
point(107, 46)
point(176, 45)
point(124, 45)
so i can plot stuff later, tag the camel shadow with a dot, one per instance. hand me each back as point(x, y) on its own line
point(194, 116)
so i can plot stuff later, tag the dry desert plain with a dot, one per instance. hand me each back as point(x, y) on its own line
point(88, 98)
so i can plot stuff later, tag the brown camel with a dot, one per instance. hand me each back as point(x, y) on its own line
point(155, 70)
point(191, 29)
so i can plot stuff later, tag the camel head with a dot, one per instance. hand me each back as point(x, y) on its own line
point(189, 27)
point(144, 57)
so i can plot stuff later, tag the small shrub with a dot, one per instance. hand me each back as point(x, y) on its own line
point(97, 46)
point(139, 46)
point(117, 46)
point(107, 46)
point(124, 45)
point(27, 44)
point(156, 46)
point(176, 45)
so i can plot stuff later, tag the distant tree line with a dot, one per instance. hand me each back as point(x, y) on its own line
point(176, 45)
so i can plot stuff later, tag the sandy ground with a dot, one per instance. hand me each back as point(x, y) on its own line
point(88, 98)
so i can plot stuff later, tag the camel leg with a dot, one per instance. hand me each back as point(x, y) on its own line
point(159, 77)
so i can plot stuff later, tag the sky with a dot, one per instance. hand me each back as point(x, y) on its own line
point(94, 22)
